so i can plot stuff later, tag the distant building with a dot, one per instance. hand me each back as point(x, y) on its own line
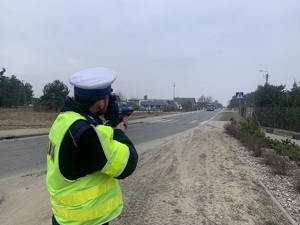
point(157, 104)
point(182, 100)
point(134, 103)
point(160, 104)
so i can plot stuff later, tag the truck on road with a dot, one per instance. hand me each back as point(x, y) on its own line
point(210, 107)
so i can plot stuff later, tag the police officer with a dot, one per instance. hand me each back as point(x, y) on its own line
point(85, 158)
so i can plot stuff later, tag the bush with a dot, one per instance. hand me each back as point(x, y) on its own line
point(268, 156)
point(249, 134)
point(231, 128)
point(255, 145)
point(280, 164)
point(297, 179)
point(286, 148)
point(252, 127)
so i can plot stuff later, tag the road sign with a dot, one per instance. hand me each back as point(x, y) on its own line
point(239, 95)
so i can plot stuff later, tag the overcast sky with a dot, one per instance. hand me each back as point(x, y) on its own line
point(213, 48)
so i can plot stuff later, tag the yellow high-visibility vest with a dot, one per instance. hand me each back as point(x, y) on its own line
point(95, 198)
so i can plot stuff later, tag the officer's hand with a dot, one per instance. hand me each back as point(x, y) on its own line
point(125, 120)
point(123, 125)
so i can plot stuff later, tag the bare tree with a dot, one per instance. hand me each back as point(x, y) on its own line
point(203, 100)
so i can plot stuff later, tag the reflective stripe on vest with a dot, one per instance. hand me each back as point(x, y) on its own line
point(95, 198)
point(117, 161)
point(86, 194)
point(84, 216)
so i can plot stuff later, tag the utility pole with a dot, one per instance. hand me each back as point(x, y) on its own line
point(22, 92)
point(174, 92)
point(266, 76)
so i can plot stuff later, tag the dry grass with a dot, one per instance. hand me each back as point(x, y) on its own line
point(18, 118)
point(15, 118)
point(227, 115)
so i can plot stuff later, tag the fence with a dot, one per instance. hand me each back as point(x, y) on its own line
point(286, 118)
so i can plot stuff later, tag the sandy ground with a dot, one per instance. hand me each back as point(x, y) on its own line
point(191, 178)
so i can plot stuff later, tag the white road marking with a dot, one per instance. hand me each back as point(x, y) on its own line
point(175, 121)
point(193, 121)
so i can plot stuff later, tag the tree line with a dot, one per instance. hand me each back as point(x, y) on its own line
point(16, 93)
point(274, 105)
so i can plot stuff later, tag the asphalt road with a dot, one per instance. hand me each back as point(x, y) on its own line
point(159, 128)
point(22, 156)
point(27, 155)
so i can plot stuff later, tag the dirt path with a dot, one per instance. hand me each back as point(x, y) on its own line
point(25, 200)
point(194, 178)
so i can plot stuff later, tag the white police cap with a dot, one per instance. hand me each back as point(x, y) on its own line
point(93, 81)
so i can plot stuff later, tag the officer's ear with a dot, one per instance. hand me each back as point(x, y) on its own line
point(102, 103)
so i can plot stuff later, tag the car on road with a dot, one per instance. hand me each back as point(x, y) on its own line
point(210, 107)
point(143, 109)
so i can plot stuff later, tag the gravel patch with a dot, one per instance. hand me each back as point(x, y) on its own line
point(281, 187)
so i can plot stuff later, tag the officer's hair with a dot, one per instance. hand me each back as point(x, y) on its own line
point(87, 100)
